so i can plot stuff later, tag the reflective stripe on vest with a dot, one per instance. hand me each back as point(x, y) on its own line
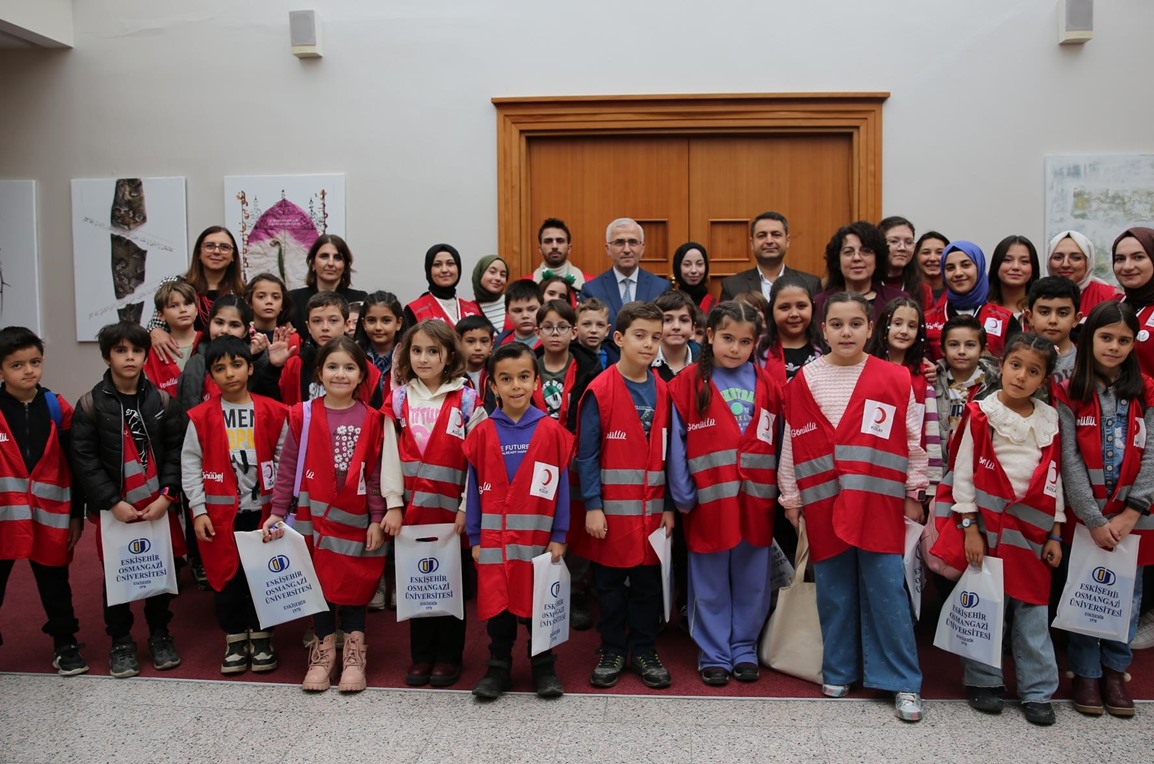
point(348, 547)
point(348, 519)
point(518, 552)
point(13, 485)
point(15, 512)
point(514, 522)
point(56, 520)
point(433, 472)
point(427, 500)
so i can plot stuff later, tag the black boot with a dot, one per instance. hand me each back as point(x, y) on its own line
point(545, 679)
point(581, 616)
point(497, 680)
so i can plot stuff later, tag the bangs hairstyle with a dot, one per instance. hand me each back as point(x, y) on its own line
point(391, 302)
point(16, 338)
point(327, 300)
point(124, 331)
point(227, 347)
point(168, 289)
point(472, 324)
point(563, 310)
point(738, 313)
point(1083, 381)
point(233, 280)
point(871, 238)
point(963, 321)
point(508, 351)
point(1036, 343)
point(557, 280)
point(343, 344)
point(234, 301)
point(444, 336)
point(999, 256)
point(286, 304)
point(837, 297)
point(522, 290)
point(592, 305)
point(675, 300)
point(342, 249)
point(771, 338)
point(753, 298)
point(878, 344)
point(637, 311)
point(1054, 288)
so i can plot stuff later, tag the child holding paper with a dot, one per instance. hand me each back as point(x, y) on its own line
point(1003, 497)
point(228, 466)
point(517, 508)
point(1106, 416)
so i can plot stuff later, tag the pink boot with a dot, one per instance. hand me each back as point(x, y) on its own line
point(353, 673)
point(322, 661)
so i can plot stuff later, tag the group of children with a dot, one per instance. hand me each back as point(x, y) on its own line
point(568, 436)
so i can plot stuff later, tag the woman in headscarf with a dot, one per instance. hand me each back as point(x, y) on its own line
point(691, 275)
point(1071, 255)
point(490, 277)
point(443, 272)
point(857, 260)
point(967, 291)
point(1133, 257)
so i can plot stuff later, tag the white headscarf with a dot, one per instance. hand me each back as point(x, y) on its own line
point(1087, 248)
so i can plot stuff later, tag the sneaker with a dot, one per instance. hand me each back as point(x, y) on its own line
point(164, 655)
point(715, 676)
point(199, 575)
point(262, 655)
point(746, 672)
point(235, 654)
point(835, 690)
point(608, 670)
point(67, 660)
point(122, 661)
point(908, 706)
point(1144, 637)
point(1041, 714)
point(988, 700)
point(378, 600)
point(653, 672)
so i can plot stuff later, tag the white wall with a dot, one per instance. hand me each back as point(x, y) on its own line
point(41, 22)
point(980, 93)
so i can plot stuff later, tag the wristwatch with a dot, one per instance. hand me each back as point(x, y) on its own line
point(967, 522)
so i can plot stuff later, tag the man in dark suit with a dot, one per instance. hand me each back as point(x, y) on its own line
point(769, 244)
point(626, 281)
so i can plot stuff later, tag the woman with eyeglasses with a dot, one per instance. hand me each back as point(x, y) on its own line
point(1071, 254)
point(903, 271)
point(856, 261)
point(214, 271)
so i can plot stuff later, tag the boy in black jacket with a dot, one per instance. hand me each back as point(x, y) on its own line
point(125, 430)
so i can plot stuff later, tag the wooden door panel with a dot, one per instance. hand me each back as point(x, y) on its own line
point(808, 178)
point(590, 181)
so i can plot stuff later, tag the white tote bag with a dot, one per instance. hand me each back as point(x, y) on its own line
point(551, 587)
point(428, 559)
point(791, 642)
point(914, 565)
point(1099, 590)
point(137, 558)
point(281, 577)
point(663, 546)
point(972, 619)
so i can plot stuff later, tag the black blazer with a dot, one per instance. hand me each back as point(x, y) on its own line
point(750, 280)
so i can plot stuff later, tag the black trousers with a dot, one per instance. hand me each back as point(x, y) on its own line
point(351, 617)
point(55, 595)
point(440, 639)
point(118, 619)
point(502, 629)
point(234, 609)
point(631, 608)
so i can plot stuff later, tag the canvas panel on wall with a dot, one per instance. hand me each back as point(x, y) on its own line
point(19, 259)
point(276, 218)
point(1099, 196)
point(128, 235)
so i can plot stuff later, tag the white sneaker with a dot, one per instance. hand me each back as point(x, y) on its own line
point(908, 706)
point(835, 690)
point(378, 600)
point(1144, 637)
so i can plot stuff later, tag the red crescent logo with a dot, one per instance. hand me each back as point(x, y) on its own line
point(548, 478)
point(880, 415)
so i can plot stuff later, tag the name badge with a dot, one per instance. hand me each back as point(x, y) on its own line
point(362, 486)
point(545, 480)
point(268, 474)
point(1140, 433)
point(878, 418)
point(765, 426)
point(994, 326)
point(456, 426)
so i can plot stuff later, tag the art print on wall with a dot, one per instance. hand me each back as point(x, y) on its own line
point(276, 218)
point(19, 259)
point(128, 235)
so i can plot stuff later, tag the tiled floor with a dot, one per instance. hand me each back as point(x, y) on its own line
point(96, 719)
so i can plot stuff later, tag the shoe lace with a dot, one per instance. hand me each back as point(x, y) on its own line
point(650, 661)
point(908, 697)
point(319, 655)
point(608, 660)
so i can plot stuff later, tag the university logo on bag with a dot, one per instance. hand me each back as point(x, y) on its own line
point(555, 589)
point(545, 479)
point(878, 418)
point(969, 600)
point(1103, 575)
point(139, 546)
point(278, 564)
point(427, 565)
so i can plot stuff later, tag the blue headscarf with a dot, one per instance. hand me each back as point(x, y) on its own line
point(977, 296)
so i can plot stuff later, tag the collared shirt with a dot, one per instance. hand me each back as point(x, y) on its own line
point(621, 277)
point(766, 283)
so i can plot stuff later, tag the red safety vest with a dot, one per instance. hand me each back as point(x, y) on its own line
point(735, 473)
point(994, 318)
point(1094, 293)
point(220, 557)
point(435, 479)
point(34, 508)
point(1088, 432)
point(426, 307)
point(852, 479)
point(166, 374)
point(517, 516)
point(632, 477)
point(566, 392)
point(335, 520)
point(1144, 341)
point(1016, 528)
point(290, 383)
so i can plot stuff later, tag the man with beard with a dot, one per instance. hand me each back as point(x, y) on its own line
point(769, 244)
point(554, 241)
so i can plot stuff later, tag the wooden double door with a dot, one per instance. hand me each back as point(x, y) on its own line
point(703, 188)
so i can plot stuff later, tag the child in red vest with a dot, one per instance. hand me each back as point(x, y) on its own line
point(341, 506)
point(723, 478)
point(230, 316)
point(852, 457)
point(176, 305)
point(1003, 496)
point(517, 508)
point(624, 424)
point(378, 329)
point(1106, 415)
point(522, 302)
point(41, 517)
point(126, 439)
point(964, 374)
point(791, 338)
point(228, 465)
point(433, 410)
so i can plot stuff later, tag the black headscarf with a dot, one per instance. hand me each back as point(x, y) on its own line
point(440, 292)
point(1144, 295)
point(696, 293)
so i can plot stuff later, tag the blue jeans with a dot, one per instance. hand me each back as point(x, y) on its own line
point(1034, 660)
point(866, 621)
point(1087, 655)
